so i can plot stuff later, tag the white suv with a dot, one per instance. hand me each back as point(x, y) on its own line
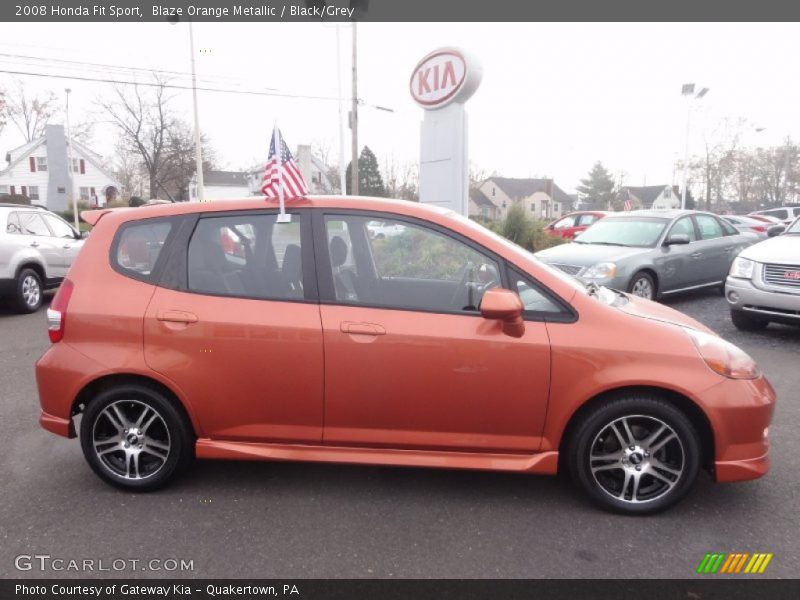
point(787, 214)
point(36, 250)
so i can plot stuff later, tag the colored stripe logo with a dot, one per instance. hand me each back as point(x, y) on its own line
point(737, 562)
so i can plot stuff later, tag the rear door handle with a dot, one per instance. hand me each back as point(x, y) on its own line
point(362, 328)
point(34, 244)
point(176, 316)
point(696, 254)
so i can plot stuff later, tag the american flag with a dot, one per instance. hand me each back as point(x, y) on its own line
point(284, 167)
point(627, 206)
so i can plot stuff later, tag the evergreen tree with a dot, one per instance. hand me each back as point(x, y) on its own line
point(370, 182)
point(598, 188)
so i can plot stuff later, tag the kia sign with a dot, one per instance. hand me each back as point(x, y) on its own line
point(444, 76)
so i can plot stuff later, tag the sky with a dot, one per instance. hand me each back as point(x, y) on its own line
point(555, 97)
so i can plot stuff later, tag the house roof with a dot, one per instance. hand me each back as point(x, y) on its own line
point(522, 188)
point(646, 194)
point(232, 178)
point(479, 198)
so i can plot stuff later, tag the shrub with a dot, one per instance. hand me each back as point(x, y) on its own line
point(135, 201)
point(524, 231)
point(15, 199)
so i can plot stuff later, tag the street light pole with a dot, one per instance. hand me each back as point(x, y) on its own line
point(354, 119)
point(688, 90)
point(71, 197)
point(342, 166)
point(198, 150)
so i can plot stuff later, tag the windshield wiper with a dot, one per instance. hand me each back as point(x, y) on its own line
point(607, 244)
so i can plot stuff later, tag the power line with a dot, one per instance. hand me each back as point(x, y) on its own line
point(173, 86)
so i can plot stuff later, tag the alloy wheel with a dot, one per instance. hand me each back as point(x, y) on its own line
point(637, 459)
point(643, 288)
point(31, 291)
point(131, 439)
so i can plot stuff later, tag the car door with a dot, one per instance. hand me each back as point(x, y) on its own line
point(716, 248)
point(409, 361)
point(236, 326)
point(36, 234)
point(677, 263)
point(65, 238)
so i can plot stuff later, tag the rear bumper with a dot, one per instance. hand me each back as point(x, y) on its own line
point(741, 470)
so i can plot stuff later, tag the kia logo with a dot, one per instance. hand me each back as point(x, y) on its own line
point(438, 78)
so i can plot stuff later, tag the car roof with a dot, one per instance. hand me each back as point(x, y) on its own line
point(24, 206)
point(406, 207)
point(667, 213)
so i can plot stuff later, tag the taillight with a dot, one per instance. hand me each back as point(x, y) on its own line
point(760, 229)
point(57, 313)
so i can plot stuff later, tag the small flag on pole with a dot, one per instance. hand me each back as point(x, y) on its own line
point(627, 205)
point(282, 179)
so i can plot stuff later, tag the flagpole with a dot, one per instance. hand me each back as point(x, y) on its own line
point(276, 140)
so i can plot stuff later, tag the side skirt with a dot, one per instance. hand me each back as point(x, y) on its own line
point(544, 463)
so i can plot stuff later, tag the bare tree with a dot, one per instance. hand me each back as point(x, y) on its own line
point(150, 129)
point(400, 179)
point(31, 114)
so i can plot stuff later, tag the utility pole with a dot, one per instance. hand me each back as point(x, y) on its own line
point(71, 197)
point(786, 166)
point(354, 119)
point(198, 150)
point(342, 166)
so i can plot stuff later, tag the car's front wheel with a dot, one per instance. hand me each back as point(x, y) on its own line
point(743, 321)
point(133, 437)
point(635, 454)
point(643, 285)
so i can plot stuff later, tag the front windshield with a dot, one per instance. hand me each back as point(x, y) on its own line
point(624, 231)
point(794, 227)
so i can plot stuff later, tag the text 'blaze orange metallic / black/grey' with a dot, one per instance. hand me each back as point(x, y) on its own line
point(383, 332)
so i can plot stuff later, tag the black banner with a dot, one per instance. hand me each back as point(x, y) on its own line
point(398, 10)
point(406, 589)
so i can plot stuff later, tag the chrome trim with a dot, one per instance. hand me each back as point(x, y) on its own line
point(761, 311)
point(692, 287)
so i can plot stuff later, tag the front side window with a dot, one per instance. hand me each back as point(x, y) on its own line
point(248, 256)
point(139, 247)
point(709, 227)
point(565, 223)
point(414, 267)
point(41, 163)
point(684, 226)
point(534, 300)
point(780, 213)
point(587, 220)
point(59, 227)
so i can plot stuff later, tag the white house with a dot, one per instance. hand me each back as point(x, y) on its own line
point(39, 171)
point(541, 198)
point(651, 196)
point(220, 185)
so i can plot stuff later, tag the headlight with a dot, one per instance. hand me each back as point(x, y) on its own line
point(604, 270)
point(742, 268)
point(723, 357)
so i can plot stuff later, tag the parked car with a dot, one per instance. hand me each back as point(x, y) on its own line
point(451, 348)
point(748, 224)
point(786, 214)
point(764, 282)
point(378, 230)
point(765, 219)
point(652, 253)
point(37, 248)
point(571, 224)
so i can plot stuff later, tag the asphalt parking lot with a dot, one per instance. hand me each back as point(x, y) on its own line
point(304, 520)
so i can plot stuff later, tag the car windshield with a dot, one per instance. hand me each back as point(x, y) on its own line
point(794, 227)
point(624, 231)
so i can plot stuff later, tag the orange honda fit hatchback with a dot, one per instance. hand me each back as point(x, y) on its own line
point(214, 331)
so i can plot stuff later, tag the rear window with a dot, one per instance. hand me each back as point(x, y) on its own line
point(138, 247)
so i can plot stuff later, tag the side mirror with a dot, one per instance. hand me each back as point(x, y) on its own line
point(775, 230)
point(504, 305)
point(677, 239)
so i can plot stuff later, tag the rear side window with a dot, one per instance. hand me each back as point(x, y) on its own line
point(13, 226)
point(139, 246)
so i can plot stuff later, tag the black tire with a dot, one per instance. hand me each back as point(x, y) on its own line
point(154, 466)
point(682, 454)
point(745, 322)
point(29, 291)
point(643, 278)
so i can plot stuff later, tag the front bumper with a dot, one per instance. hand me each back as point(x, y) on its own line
point(742, 295)
point(740, 412)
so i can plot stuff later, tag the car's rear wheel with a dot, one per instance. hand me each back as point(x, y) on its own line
point(643, 285)
point(29, 291)
point(745, 322)
point(133, 437)
point(635, 454)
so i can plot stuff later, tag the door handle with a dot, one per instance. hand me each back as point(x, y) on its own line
point(67, 246)
point(696, 254)
point(176, 316)
point(34, 244)
point(362, 328)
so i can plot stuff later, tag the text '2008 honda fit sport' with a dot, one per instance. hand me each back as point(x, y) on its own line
point(214, 331)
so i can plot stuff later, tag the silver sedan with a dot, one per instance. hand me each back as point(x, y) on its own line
point(651, 253)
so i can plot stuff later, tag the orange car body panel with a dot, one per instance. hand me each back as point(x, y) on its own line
point(378, 386)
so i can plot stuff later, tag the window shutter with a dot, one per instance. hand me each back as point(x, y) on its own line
point(83, 167)
point(24, 191)
point(91, 192)
point(33, 164)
